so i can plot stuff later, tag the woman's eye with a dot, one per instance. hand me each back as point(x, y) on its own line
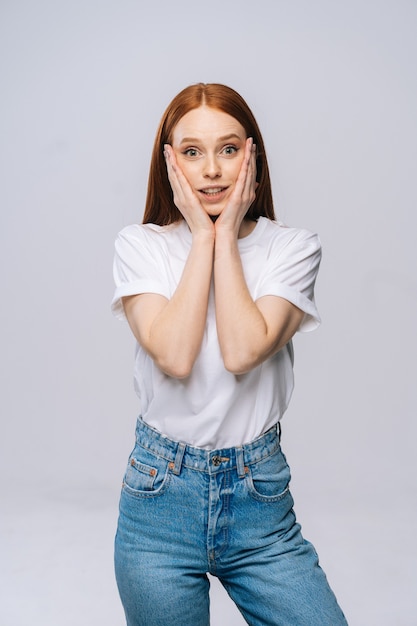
point(191, 152)
point(228, 150)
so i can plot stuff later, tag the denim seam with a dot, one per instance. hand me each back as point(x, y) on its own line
point(137, 493)
point(171, 458)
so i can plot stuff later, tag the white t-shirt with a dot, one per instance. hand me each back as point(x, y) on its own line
point(214, 408)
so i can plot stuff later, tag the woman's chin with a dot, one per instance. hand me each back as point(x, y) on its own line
point(213, 210)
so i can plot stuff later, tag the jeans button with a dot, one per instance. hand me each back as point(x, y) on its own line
point(216, 460)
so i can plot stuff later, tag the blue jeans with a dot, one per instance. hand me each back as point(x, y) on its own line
point(186, 511)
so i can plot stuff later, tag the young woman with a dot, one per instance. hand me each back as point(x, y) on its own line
point(214, 289)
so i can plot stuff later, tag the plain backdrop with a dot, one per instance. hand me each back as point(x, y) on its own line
point(83, 86)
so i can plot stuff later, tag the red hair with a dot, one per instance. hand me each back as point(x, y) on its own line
point(160, 208)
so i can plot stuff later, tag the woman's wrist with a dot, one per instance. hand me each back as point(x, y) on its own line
point(203, 236)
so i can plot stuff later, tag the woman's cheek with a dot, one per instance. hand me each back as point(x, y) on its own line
point(235, 168)
point(188, 168)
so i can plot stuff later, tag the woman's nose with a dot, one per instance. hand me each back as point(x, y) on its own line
point(212, 167)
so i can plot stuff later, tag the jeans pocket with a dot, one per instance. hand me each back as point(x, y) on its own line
point(146, 475)
point(268, 480)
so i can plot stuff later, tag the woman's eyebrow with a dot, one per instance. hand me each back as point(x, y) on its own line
point(229, 137)
point(220, 139)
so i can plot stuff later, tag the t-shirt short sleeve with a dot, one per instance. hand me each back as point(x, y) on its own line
point(137, 267)
point(291, 274)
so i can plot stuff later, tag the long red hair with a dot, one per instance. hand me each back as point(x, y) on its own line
point(160, 208)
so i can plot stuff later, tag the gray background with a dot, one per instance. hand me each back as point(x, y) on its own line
point(83, 86)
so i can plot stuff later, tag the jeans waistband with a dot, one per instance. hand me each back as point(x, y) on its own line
point(180, 454)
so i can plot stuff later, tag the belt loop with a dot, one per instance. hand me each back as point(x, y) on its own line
point(240, 462)
point(176, 466)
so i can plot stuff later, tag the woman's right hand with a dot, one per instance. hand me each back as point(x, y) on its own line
point(184, 198)
point(171, 330)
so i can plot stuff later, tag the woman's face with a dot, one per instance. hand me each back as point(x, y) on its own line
point(209, 146)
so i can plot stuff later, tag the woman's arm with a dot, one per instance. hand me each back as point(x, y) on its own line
point(249, 332)
point(171, 331)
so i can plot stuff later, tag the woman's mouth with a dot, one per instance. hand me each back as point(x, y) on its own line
point(213, 193)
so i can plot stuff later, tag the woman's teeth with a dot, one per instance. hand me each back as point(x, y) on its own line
point(211, 192)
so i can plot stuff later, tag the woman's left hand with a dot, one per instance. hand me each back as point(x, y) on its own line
point(243, 194)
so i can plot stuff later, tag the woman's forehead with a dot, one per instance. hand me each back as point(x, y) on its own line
point(205, 122)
